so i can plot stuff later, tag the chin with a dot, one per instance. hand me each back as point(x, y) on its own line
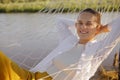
point(83, 37)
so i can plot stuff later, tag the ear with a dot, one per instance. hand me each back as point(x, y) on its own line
point(98, 29)
point(103, 28)
point(99, 26)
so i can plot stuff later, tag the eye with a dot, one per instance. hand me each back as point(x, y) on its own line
point(80, 23)
point(88, 24)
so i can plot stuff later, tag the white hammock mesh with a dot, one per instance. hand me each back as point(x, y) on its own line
point(27, 47)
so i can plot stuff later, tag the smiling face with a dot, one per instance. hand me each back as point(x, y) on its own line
point(86, 26)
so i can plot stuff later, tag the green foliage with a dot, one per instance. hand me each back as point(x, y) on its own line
point(57, 5)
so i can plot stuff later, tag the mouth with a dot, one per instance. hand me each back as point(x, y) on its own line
point(84, 32)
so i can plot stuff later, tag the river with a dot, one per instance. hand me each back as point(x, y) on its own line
point(28, 37)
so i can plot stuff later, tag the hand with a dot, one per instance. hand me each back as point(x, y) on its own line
point(103, 29)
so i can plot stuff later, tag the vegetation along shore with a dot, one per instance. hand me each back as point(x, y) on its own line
point(45, 6)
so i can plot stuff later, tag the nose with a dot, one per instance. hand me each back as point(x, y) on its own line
point(83, 26)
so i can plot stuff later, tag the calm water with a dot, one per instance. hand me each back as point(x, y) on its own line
point(28, 38)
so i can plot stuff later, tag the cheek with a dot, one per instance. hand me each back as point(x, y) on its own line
point(78, 28)
point(94, 30)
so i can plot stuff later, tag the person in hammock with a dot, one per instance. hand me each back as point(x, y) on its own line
point(79, 54)
point(64, 56)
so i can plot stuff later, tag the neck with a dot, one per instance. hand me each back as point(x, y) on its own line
point(84, 41)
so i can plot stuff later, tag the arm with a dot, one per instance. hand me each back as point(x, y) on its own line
point(114, 34)
point(63, 28)
point(105, 46)
point(66, 45)
point(68, 40)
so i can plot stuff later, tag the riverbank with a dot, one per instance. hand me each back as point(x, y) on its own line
point(53, 6)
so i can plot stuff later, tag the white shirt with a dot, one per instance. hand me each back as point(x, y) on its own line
point(95, 53)
point(65, 60)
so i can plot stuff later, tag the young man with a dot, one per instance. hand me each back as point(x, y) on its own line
point(78, 56)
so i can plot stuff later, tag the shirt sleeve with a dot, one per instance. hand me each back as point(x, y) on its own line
point(113, 36)
point(63, 28)
point(103, 48)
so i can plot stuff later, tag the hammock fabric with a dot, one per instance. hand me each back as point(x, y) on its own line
point(93, 54)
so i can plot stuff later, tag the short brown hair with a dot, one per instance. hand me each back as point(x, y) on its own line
point(97, 14)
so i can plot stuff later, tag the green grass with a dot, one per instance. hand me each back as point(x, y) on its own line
point(58, 6)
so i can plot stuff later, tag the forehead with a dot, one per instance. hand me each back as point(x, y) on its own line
point(86, 16)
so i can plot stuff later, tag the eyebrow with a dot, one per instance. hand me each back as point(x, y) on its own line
point(90, 21)
point(79, 21)
point(87, 21)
